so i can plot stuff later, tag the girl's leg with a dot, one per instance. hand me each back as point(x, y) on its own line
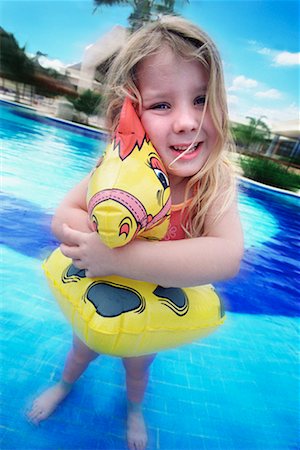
point(77, 361)
point(137, 375)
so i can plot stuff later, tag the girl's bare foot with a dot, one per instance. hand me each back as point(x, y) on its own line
point(48, 401)
point(136, 428)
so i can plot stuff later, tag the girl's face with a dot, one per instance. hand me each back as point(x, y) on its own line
point(173, 94)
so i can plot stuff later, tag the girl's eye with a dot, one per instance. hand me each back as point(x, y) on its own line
point(160, 106)
point(200, 100)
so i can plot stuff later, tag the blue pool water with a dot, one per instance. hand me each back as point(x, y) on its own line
point(237, 389)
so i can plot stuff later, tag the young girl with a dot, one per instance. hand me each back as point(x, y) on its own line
point(172, 72)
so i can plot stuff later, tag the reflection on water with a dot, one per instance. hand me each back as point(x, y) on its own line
point(42, 162)
point(259, 225)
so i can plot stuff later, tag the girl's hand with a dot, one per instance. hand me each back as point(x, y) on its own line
point(87, 252)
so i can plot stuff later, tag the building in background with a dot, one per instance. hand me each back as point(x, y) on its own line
point(286, 140)
point(91, 72)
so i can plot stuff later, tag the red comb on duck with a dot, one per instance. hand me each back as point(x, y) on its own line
point(130, 132)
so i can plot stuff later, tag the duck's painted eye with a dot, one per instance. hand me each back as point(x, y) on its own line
point(125, 227)
point(159, 171)
point(162, 178)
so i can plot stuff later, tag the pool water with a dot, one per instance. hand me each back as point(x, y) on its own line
point(268, 282)
point(237, 389)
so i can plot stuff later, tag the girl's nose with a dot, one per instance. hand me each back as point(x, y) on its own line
point(186, 119)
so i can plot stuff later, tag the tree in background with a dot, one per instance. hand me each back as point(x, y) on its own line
point(143, 10)
point(253, 135)
point(15, 65)
point(88, 102)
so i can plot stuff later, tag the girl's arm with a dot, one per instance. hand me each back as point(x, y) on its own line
point(187, 262)
point(72, 211)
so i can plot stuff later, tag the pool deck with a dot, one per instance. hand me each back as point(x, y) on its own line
point(49, 111)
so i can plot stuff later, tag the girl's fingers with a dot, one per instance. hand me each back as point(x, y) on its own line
point(78, 263)
point(73, 253)
point(72, 237)
point(70, 252)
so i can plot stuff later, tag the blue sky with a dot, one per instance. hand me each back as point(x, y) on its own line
point(258, 41)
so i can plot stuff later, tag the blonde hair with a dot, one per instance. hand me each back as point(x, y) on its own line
point(215, 179)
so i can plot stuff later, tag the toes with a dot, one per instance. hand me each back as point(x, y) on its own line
point(33, 419)
point(131, 446)
point(33, 412)
point(36, 414)
point(137, 445)
point(35, 409)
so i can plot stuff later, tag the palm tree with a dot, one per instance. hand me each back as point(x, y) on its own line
point(14, 63)
point(37, 56)
point(259, 129)
point(87, 102)
point(143, 10)
point(253, 135)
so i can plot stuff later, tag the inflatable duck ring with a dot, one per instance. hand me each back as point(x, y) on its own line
point(115, 315)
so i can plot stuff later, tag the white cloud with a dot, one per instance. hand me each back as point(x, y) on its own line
point(278, 58)
point(252, 42)
point(232, 99)
point(270, 93)
point(264, 51)
point(52, 63)
point(236, 116)
point(241, 83)
point(287, 59)
point(272, 116)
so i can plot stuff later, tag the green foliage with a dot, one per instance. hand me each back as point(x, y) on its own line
point(291, 160)
point(256, 132)
point(143, 10)
point(87, 102)
point(14, 63)
point(270, 172)
point(17, 66)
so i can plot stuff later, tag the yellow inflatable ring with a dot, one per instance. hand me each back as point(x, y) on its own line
point(123, 317)
point(115, 315)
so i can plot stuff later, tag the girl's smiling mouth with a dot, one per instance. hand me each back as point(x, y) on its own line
point(184, 147)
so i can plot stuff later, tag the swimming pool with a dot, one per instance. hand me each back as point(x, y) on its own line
point(237, 389)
